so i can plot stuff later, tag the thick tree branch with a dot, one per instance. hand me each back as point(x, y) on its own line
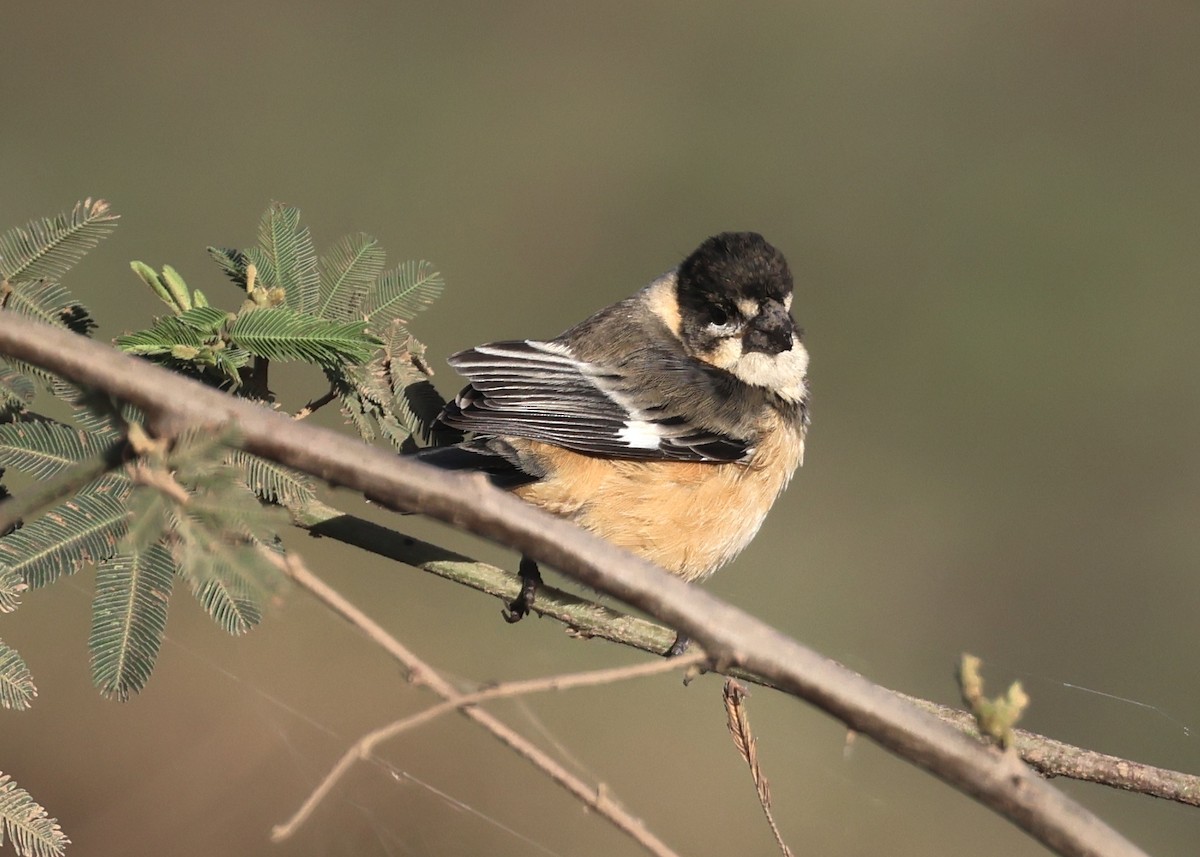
point(472, 504)
point(586, 618)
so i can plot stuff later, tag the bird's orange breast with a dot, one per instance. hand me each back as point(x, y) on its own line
point(689, 517)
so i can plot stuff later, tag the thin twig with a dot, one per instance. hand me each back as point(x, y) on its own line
point(364, 747)
point(419, 672)
point(473, 504)
point(747, 745)
point(1053, 758)
point(315, 405)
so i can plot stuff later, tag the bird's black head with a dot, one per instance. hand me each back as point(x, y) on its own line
point(733, 266)
point(735, 299)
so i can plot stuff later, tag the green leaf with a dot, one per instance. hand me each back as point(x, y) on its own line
point(283, 334)
point(229, 603)
point(181, 296)
point(392, 394)
point(150, 277)
point(347, 272)
point(216, 533)
point(167, 334)
point(129, 616)
point(148, 521)
point(401, 293)
point(16, 391)
point(11, 587)
point(84, 529)
point(48, 247)
point(273, 482)
point(205, 319)
point(44, 448)
point(288, 258)
point(232, 262)
point(31, 832)
point(48, 302)
point(98, 414)
point(219, 571)
point(16, 683)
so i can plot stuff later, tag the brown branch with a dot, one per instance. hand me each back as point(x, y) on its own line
point(419, 672)
point(1048, 756)
point(473, 504)
point(1053, 758)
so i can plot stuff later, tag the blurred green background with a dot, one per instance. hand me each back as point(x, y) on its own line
point(992, 213)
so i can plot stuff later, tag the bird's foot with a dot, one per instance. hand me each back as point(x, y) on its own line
point(531, 579)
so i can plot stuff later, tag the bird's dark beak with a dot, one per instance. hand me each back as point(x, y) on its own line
point(771, 330)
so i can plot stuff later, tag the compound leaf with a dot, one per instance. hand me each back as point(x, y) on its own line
point(84, 529)
point(401, 293)
point(43, 448)
point(16, 683)
point(288, 259)
point(46, 248)
point(348, 270)
point(129, 616)
point(280, 333)
point(32, 832)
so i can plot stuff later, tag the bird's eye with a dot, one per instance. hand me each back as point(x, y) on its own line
point(717, 316)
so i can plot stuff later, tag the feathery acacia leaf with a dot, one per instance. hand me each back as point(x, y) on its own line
point(283, 334)
point(11, 587)
point(232, 262)
point(31, 832)
point(192, 342)
point(44, 448)
point(273, 482)
point(48, 247)
point(48, 301)
point(16, 391)
point(205, 319)
point(288, 258)
point(392, 394)
point(84, 529)
point(148, 521)
point(401, 293)
point(129, 616)
point(98, 414)
point(167, 336)
point(228, 602)
point(348, 270)
point(215, 530)
point(16, 682)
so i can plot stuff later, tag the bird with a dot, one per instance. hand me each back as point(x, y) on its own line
point(668, 422)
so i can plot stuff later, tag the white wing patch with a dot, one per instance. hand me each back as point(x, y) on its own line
point(640, 434)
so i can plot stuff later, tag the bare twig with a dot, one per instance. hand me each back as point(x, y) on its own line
point(747, 745)
point(315, 405)
point(419, 672)
point(1054, 758)
point(473, 504)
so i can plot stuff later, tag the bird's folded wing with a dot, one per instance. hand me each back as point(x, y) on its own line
point(541, 391)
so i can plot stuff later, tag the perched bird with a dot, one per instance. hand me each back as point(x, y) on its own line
point(666, 423)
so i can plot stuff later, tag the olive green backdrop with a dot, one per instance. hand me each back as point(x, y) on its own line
point(992, 212)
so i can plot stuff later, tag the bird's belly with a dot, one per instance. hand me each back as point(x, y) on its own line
point(689, 517)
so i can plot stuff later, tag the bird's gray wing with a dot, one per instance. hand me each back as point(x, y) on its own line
point(542, 391)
